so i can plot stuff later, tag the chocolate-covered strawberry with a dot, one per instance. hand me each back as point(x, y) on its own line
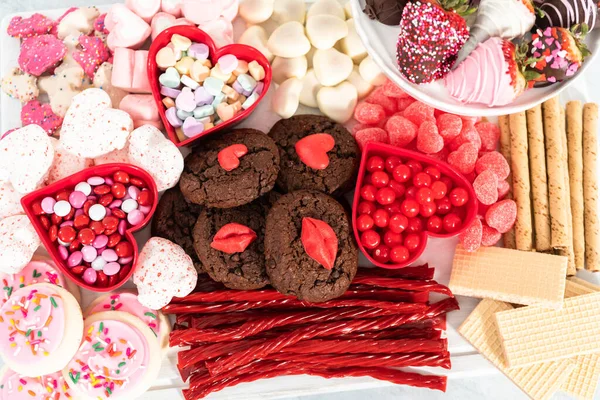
point(567, 13)
point(506, 19)
point(387, 12)
point(431, 35)
point(557, 54)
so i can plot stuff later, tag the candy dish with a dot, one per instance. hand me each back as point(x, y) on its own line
point(32, 206)
point(380, 41)
point(458, 180)
point(242, 52)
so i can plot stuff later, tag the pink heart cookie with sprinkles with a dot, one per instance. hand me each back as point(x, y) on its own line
point(35, 25)
point(18, 386)
point(92, 54)
point(41, 53)
point(36, 113)
point(99, 25)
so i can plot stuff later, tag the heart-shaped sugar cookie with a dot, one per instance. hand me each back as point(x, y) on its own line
point(324, 31)
point(289, 40)
point(331, 66)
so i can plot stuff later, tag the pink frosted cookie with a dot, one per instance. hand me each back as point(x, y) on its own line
point(18, 243)
point(39, 270)
point(40, 54)
point(127, 301)
point(92, 127)
point(25, 158)
point(92, 54)
point(163, 270)
point(35, 25)
point(126, 28)
point(99, 25)
point(35, 113)
point(10, 201)
point(15, 386)
point(152, 151)
point(119, 358)
point(65, 163)
point(20, 85)
point(41, 327)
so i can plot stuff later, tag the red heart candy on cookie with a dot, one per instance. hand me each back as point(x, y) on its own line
point(312, 150)
point(233, 238)
point(229, 157)
point(319, 241)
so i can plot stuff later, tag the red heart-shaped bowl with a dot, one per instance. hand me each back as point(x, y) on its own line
point(469, 210)
point(241, 51)
point(31, 205)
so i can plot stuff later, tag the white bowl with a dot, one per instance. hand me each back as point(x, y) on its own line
point(380, 41)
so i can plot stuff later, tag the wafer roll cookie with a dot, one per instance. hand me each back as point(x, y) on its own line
point(583, 282)
point(556, 177)
point(514, 276)
point(567, 251)
point(521, 184)
point(590, 187)
point(539, 381)
point(503, 121)
point(565, 333)
point(575, 154)
point(539, 181)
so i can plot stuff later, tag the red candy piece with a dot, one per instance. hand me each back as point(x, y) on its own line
point(121, 177)
point(360, 127)
point(113, 240)
point(35, 25)
point(503, 189)
point(390, 89)
point(459, 197)
point(502, 215)
point(392, 239)
point(471, 237)
point(419, 112)
point(370, 239)
point(41, 53)
point(229, 157)
point(412, 242)
point(429, 141)
point(451, 223)
point(438, 190)
point(381, 254)
point(464, 158)
point(370, 135)
point(86, 236)
point(312, 150)
point(233, 238)
point(399, 254)
point(118, 190)
point(137, 182)
point(467, 135)
point(398, 223)
point(375, 163)
point(378, 97)
point(403, 104)
point(380, 179)
point(364, 222)
point(400, 130)
point(495, 162)
point(124, 249)
point(367, 113)
point(410, 208)
point(319, 241)
point(434, 224)
point(368, 192)
point(449, 126)
point(92, 54)
point(489, 134)
point(366, 207)
point(385, 196)
point(35, 113)
point(81, 221)
point(486, 187)
point(381, 218)
point(67, 234)
point(144, 198)
point(489, 236)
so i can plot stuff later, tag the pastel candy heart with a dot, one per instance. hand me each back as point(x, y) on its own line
point(170, 78)
point(150, 150)
point(198, 51)
point(186, 101)
point(286, 98)
point(126, 28)
point(324, 31)
point(363, 88)
point(199, 72)
point(10, 201)
point(184, 65)
point(173, 118)
point(92, 127)
point(312, 150)
point(184, 114)
point(204, 111)
point(229, 157)
point(18, 243)
point(180, 42)
point(165, 58)
point(249, 102)
point(220, 31)
point(371, 72)
point(326, 7)
point(145, 9)
point(189, 82)
point(191, 127)
point(228, 63)
point(289, 41)
point(288, 10)
point(332, 67)
point(64, 163)
point(285, 68)
point(172, 7)
point(247, 82)
point(213, 86)
point(310, 88)
point(256, 36)
point(225, 111)
point(256, 11)
point(216, 72)
point(202, 96)
point(169, 92)
point(338, 102)
point(36, 113)
point(352, 44)
point(200, 11)
point(25, 158)
point(40, 53)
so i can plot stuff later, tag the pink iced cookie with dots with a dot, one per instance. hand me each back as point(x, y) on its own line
point(99, 25)
point(130, 70)
point(220, 31)
point(17, 386)
point(163, 20)
point(35, 25)
point(25, 158)
point(126, 28)
point(163, 271)
point(40, 330)
point(92, 127)
point(145, 9)
point(65, 163)
point(127, 301)
point(201, 11)
point(119, 358)
point(10, 201)
point(18, 243)
point(40, 54)
point(92, 54)
point(151, 150)
point(36, 113)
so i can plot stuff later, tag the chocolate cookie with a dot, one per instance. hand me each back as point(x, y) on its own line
point(174, 220)
point(337, 177)
point(291, 270)
point(216, 181)
point(241, 270)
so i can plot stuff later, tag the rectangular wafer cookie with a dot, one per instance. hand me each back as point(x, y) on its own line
point(538, 381)
point(534, 334)
point(583, 282)
point(514, 276)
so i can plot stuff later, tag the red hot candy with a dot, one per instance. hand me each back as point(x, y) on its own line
point(233, 238)
point(319, 241)
point(312, 150)
point(229, 157)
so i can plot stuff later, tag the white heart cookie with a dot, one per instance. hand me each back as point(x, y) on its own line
point(25, 158)
point(285, 68)
point(310, 88)
point(256, 36)
point(289, 40)
point(327, 7)
point(163, 270)
point(338, 102)
point(78, 22)
point(18, 242)
point(151, 150)
point(325, 30)
point(289, 10)
point(371, 72)
point(10, 201)
point(352, 44)
point(332, 67)
point(362, 87)
point(65, 164)
point(92, 127)
point(256, 11)
point(286, 98)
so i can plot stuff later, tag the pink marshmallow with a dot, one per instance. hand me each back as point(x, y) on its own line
point(140, 122)
point(140, 107)
point(140, 82)
point(130, 70)
point(230, 9)
point(145, 9)
point(220, 30)
point(201, 11)
point(172, 7)
point(163, 20)
point(126, 28)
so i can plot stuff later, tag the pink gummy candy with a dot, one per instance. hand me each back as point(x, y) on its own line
point(471, 237)
point(489, 236)
point(370, 135)
point(429, 140)
point(449, 126)
point(367, 113)
point(495, 162)
point(400, 130)
point(489, 134)
point(468, 134)
point(390, 89)
point(403, 104)
point(486, 187)
point(503, 188)
point(464, 158)
point(502, 215)
point(419, 112)
point(378, 97)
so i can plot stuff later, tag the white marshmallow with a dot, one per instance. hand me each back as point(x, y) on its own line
point(338, 102)
point(285, 68)
point(332, 67)
point(286, 98)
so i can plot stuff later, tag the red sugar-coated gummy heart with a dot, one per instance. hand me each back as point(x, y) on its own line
point(441, 155)
point(495, 162)
point(319, 241)
point(35, 25)
point(400, 130)
point(503, 189)
point(233, 238)
point(370, 135)
point(367, 113)
point(429, 140)
point(378, 97)
point(468, 134)
point(449, 126)
point(402, 104)
point(360, 127)
point(390, 89)
point(489, 236)
point(35, 113)
point(486, 187)
point(489, 134)
point(92, 54)
point(464, 158)
point(471, 237)
point(502, 215)
point(229, 157)
point(41, 53)
point(419, 112)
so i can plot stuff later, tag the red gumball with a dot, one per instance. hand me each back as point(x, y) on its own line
point(393, 208)
point(399, 254)
point(424, 196)
point(452, 223)
point(392, 238)
point(438, 189)
point(410, 208)
point(411, 192)
point(434, 224)
point(433, 172)
point(381, 218)
point(375, 163)
point(368, 192)
point(364, 222)
point(444, 206)
point(370, 239)
point(427, 210)
point(381, 254)
point(449, 183)
point(398, 223)
point(402, 173)
point(397, 187)
point(366, 207)
point(459, 197)
point(421, 179)
point(415, 225)
point(380, 179)
point(414, 166)
point(412, 242)
point(391, 162)
point(385, 196)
